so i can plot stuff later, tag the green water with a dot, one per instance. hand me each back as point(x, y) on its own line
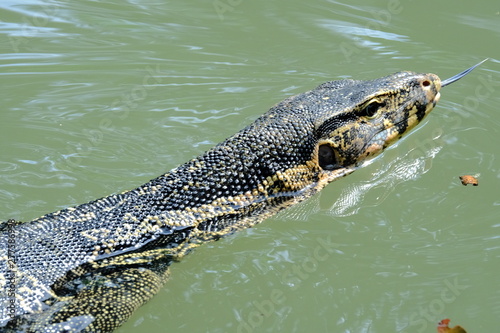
point(101, 96)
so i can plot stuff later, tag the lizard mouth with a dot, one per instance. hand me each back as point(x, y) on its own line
point(436, 99)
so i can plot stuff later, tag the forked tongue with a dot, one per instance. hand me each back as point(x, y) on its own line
point(460, 75)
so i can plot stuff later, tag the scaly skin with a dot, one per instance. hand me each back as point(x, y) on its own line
point(87, 268)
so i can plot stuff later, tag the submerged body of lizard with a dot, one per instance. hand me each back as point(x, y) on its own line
point(87, 268)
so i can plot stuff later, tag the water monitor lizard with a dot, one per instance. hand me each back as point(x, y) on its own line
point(87, 268)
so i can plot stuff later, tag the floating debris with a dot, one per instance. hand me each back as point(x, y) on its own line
point(468, 179)
point(443, 327)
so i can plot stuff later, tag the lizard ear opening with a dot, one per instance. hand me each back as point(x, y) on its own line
point(327, 157)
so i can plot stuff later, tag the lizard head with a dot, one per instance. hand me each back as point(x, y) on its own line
point(372, 115)
point(359, 119)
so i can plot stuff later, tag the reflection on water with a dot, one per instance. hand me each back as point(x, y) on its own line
point(384, 180)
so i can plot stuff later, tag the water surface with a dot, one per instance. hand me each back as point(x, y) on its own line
point(100, 97)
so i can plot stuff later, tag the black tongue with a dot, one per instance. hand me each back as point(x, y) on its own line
point(460, 75)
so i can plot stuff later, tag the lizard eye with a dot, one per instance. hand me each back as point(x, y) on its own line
point(371, 109)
